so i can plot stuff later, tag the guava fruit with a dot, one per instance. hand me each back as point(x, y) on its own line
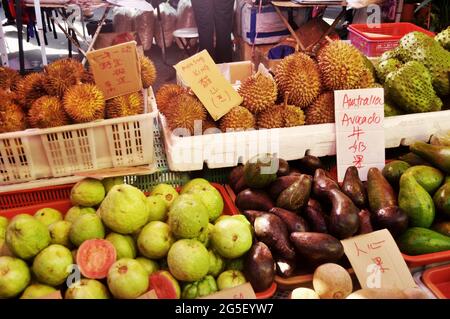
point(3, 226)
point(235, 264)
point(87, 192)
point(95, 257)
point(48, 216)
point(109, 182)
point(36, 291)
point(231, 237)
point(205, 235)
point(87, 289)
point(201, 288)
point(188, 260)
point(26, 236)
point(196, 184)
point(59, 233)
point(127, 279)
point(165, 192)
point(230, 279)
point(208, 195)
point(216, 264)
point(86, 226)
point(14, 276)
point(75, 211)
point(125, 209)
point(52, 265)
point(163, 265)
point(165, 286)
point(188, 217)
point(155, 240)
point(149, 265)
point(124, 245)
point(158, 208)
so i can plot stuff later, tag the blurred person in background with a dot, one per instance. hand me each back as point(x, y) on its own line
point(9, 18)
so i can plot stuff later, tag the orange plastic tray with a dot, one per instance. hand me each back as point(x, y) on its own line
point(437, 279)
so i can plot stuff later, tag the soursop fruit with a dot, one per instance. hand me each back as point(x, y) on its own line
point(411, 89)
point(390, 109)
point(444, 38)
point(383, 68)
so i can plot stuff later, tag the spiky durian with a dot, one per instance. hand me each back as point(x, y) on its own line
point(184, 113)
point(30, 88)
point(84, 103)
point(61, 75)
point(259, 92)
point(8, 78)
point(293, 116)
point(12, 117)
point(47, 111)
point(298, 79)
point(366, 80)
point(237, 119)
point(166, 94)
point(87, 77)
point(125, 105)
point(208, 124)
point(272, 117)
point(148, 71)
point(341, 66)
point(322, 110)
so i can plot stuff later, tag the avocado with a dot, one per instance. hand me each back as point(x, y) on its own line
point(428, 177)
point(418, 240)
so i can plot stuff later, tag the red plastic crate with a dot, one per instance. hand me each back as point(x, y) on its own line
point(437, 279)
point(373, 41)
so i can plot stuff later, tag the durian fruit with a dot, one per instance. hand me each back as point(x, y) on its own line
point(387, 66)
point(185, 111)
point(148, 71)
point(341, 66)
point(125, 105)
point(84, 103)
point(8, 78)
point(30, 88)
point(61, 75)
point(237, 119)
point(47, 111)
point(87, 77)
point(12, 117)
point(366, 80)
point(443, 38)
point(298, 79)
point(322, 110)
point(259, 92)
point(208, 124)
point(293, 116)
point(166, 94)
point(272, 117)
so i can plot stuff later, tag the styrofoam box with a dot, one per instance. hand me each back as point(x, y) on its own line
point(62, 151)
point(228, 149)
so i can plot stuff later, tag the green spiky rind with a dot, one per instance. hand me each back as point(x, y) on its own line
point(47, 111)
point(390, 109)
point(443, 38)
point(258, 93)
point(385, 67)
point(84, 103)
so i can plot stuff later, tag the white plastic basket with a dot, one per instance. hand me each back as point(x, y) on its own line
point(62, 151)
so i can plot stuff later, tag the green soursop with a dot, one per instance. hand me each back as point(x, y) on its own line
point(411, 89)
point(390, 109)
point(444, 38)
point(385, 67)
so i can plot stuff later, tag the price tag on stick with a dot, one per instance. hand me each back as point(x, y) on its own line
point(359, 117)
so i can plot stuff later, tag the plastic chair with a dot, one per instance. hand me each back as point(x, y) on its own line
point(185, 36)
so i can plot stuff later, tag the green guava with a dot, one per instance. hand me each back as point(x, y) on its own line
point(216, 264)
point(124, 244)
point(36, 291)
point(188, 260)
point(201, 288)
point(48, 216)
point(158, 208)
point(230, 279)
point(213, 201)
point(127, 279)
point(3, 226)
point(125, 209)
point(87, 192)
point(149, 265)
point(231, 237)
point(14, 276)
point(205, 235)
point(75, 211)
point(196, 184)
point(155, 240)
point(59, 233)
point(87, 289)
point(235, 264)
point(26, 236)
point(109, 182)
point(86, 226)
point(166, 192)
point(188, 217)
point(52, 265)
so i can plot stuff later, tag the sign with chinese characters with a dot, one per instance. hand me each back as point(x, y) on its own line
point(359, 117)
point(244, 291)
point(116, 69)
point(377, 261)
point(202, 75)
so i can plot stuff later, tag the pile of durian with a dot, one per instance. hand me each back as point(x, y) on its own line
point(64, 93)
point(300, 92)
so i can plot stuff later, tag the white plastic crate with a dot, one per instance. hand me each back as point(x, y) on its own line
point(62, 151)
point(228, 149)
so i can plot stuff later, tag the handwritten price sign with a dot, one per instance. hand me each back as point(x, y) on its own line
point(359, 130)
